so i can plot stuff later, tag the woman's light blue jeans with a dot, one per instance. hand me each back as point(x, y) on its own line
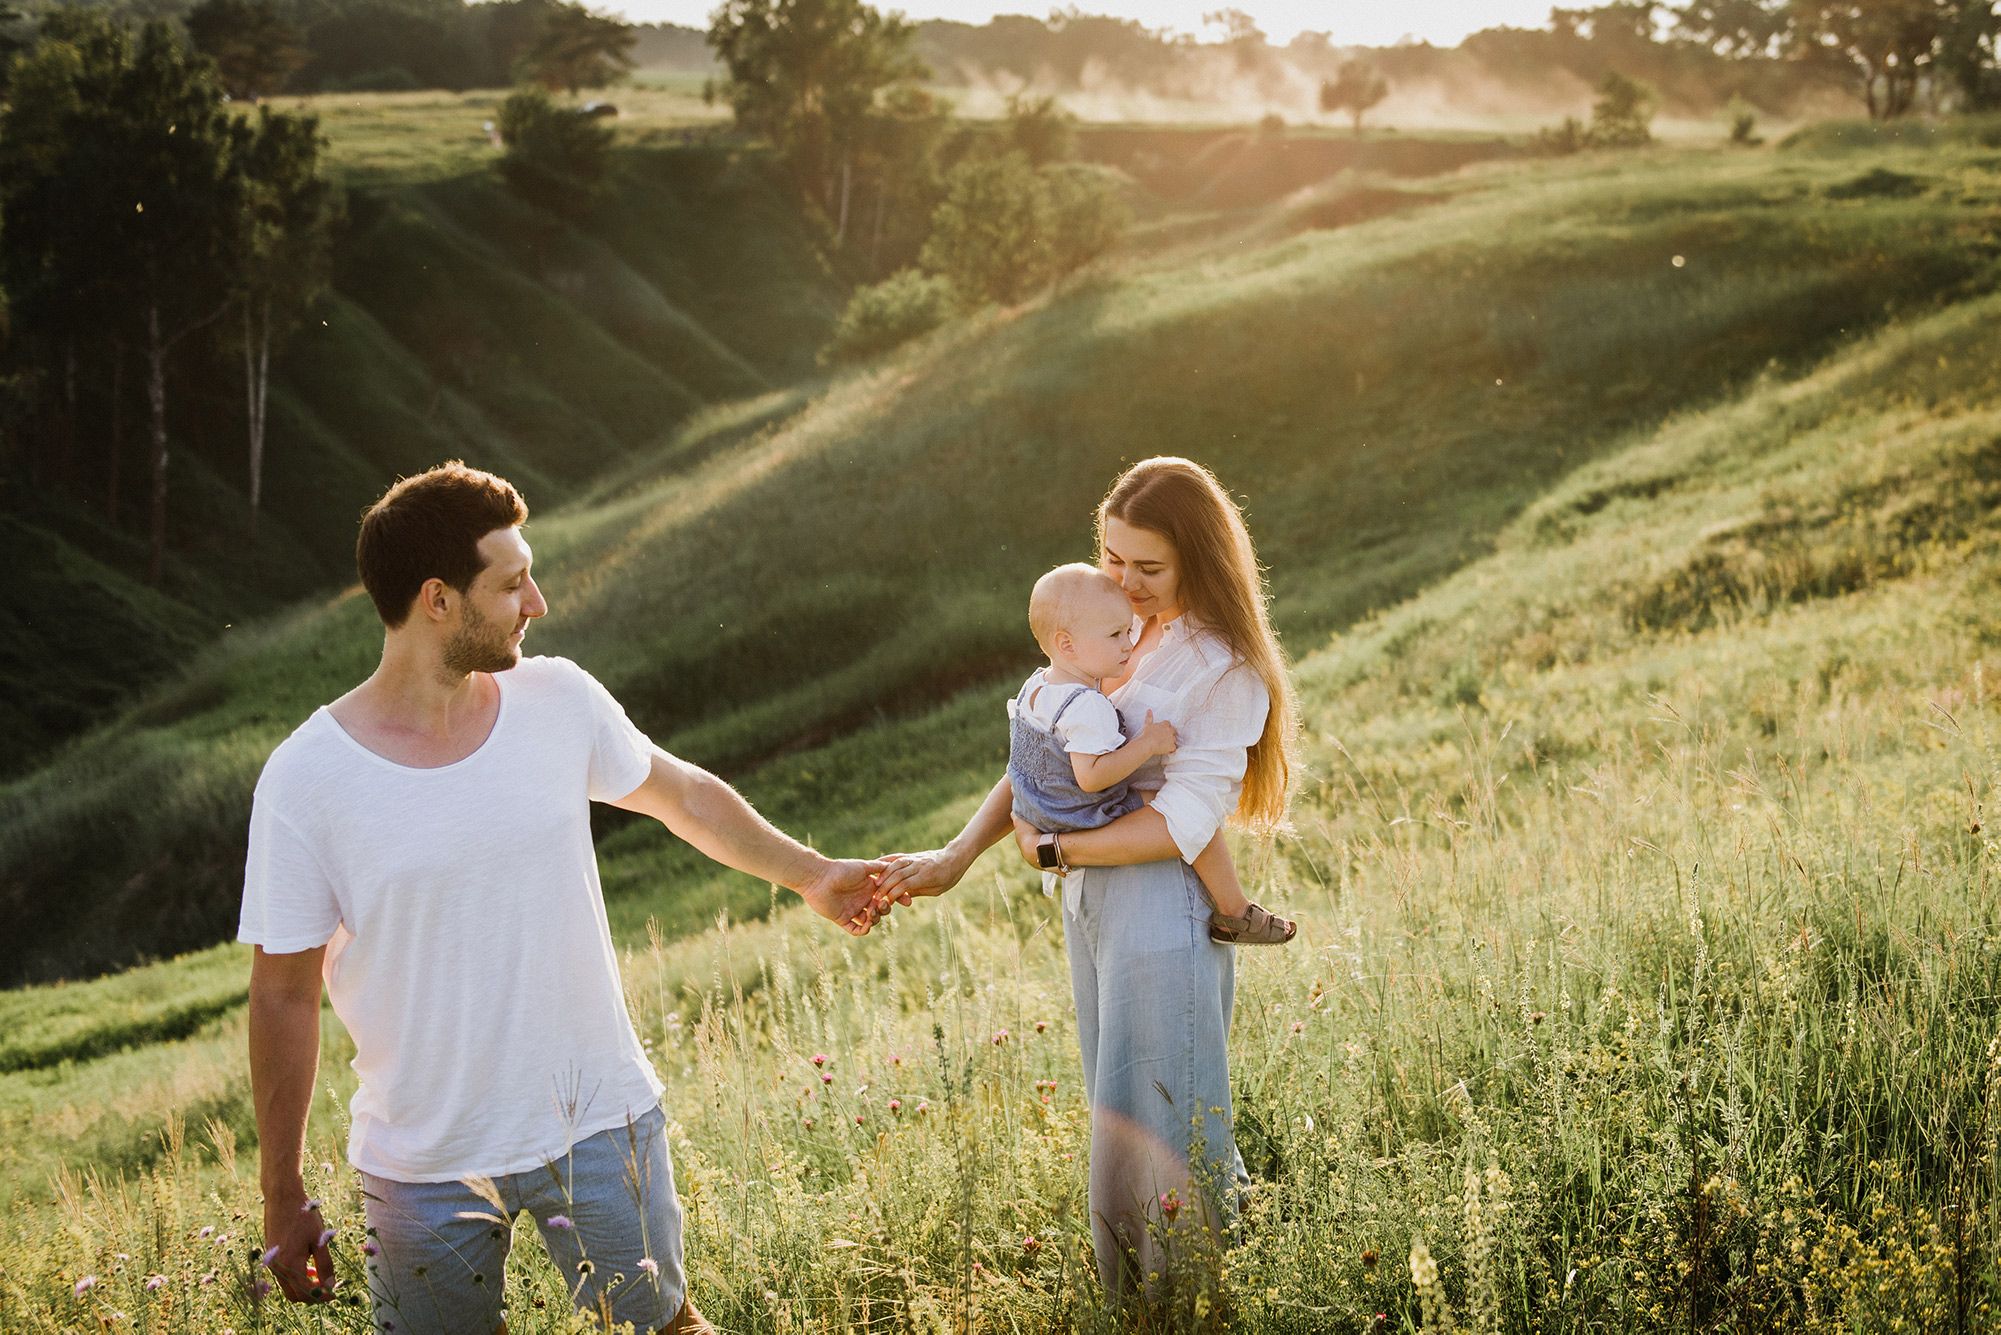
point(1153, 995)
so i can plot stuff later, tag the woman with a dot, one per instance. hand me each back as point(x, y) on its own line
point(1153, 992)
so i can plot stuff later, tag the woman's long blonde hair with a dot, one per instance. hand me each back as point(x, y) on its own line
point(1222, 584)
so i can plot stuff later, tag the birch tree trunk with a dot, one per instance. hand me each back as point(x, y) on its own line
point(257, 387)
point(847, 185)
point(156, 403)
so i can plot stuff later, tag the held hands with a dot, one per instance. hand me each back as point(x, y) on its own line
point(1157, 737)
point(845, 891)
point(300, 1248)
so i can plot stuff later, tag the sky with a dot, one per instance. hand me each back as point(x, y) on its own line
point(1350, 22)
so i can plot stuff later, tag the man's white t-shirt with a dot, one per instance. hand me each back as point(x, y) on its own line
point(468, 952)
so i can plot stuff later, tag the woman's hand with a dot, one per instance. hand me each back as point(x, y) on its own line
point(908, 875)
point(1026, 837)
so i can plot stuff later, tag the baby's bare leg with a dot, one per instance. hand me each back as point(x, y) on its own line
point(1218, 875)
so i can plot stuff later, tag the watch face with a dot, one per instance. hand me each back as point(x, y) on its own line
point(1045, 853)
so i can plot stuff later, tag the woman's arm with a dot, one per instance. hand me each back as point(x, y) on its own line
point(936, 871)
point(1139, 836)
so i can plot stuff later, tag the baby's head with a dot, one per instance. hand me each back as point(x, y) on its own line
point(1082, 620)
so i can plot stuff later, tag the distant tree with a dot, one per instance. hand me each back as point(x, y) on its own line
point(253, 48)
point(287, 255)
point(1355, 88)
point(901, 141)
point(1886, 47)
point(1735, 28)
point(1242, 38)
point(1742, 118)
point(1622, 117)
point(121, 181)
point(1040, 129)
point(1968, 55)
point(1088, 214)
point(806, 74)
point(577, 49)
point(990, 235)
point(555, 158)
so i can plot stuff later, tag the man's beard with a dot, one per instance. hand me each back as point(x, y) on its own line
point(479, 646)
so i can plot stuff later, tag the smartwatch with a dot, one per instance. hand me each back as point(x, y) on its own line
point(1049, 854)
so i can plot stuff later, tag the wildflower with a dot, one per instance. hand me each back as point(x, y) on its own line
point(896, 1107)
point(809, 1124)
point(1298, 1026)
point(1000, 1037)
point(270, 1255)
point(309, 1207)
point(1031, 1244)
point(206, 1232)
point(1041, 1026)
point(559, 1221)
point(922, 1107)
point(370, 1249)
point(826, 1079)
point(584, 1267)
point(1170, 1203)
point(1370, 1257)
point(896, 1059)
point(326, 1236)
point(261, 1289)
point(208, 1279)
point(819, 1059)
point(858, 1119)
point(650, 1266)
point(85, 1285)
point(154, 1283)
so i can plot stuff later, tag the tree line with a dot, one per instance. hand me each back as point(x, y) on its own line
point(142, 215)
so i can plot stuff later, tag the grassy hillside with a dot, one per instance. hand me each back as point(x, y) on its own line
point(866, 557)
point(462, 323)
point(1642, 612)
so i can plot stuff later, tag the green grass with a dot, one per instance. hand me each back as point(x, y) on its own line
point(1649, 954)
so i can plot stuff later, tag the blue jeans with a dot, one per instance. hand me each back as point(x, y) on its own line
point(1153, 996)
point(602, 1209)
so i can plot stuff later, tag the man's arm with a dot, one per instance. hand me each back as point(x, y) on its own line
point(708, 813)
point(284, 1063)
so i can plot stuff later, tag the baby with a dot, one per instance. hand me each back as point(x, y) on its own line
point(1069, 762)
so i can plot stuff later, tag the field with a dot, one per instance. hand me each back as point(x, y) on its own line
point(1631, 522)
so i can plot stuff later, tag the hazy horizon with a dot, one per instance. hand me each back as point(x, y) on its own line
point(1348, 22)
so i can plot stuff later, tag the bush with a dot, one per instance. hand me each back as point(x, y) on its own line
point(1558, 140)
point(1623, 115)
point(555, 156)
point(990, 236)
point(1087, 215)
point(889, 314)
point(1742, 119)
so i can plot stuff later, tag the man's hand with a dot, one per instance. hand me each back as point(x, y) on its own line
point(917, 874)
point(299, 1246)
point(844, 891)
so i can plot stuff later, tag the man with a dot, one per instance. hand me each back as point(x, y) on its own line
point(423, 844)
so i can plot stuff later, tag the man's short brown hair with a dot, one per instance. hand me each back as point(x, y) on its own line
point(429, 527)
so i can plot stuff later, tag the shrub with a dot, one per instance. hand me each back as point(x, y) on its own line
point(1623, 115)
point(555, 156)
point(1742, 119)
point(1087, 215)
point(1557, 140)
point(1040, 129)
point(889, 314)
point(990, 236)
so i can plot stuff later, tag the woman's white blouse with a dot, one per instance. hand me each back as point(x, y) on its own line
point(1218, 708)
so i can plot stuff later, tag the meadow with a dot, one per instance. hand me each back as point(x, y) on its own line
point(1630, 520)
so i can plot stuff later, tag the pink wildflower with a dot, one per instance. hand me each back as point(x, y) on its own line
point(1041, 1025)
point(370, 1249)
point(1170, 1203)
point(559, 1221)
point(85, 1285)
point(896, 1107)
point(1000, 1037)
point(154, 1283)
point(1031, 1244)
point(650, 1266)
point(207, 1231)
point(261, 1289)
point(826, 1079)
point(270, 1255)
point(819, 1059)
point(326, 1236)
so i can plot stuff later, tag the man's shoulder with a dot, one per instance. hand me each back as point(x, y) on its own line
point(307, 756)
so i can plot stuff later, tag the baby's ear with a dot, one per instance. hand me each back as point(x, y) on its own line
point(1062, 642)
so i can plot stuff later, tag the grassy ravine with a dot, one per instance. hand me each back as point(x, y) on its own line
point(1650, 958)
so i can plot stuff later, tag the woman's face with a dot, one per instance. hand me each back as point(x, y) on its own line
point(1146, 567)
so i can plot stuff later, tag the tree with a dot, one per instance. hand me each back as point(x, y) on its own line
point(1622, 117)
point(1735, 28)
point(1087, 214)
point(1886, 47)
point(899, 152)
point(1967, 52)
point(806, 74)
point(577, 49)
point(1040, 129)
point(1355, 87)
point(121, 184)
point(990, 236)
point(555, 158)
point(253, 48)
point(287, 256)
